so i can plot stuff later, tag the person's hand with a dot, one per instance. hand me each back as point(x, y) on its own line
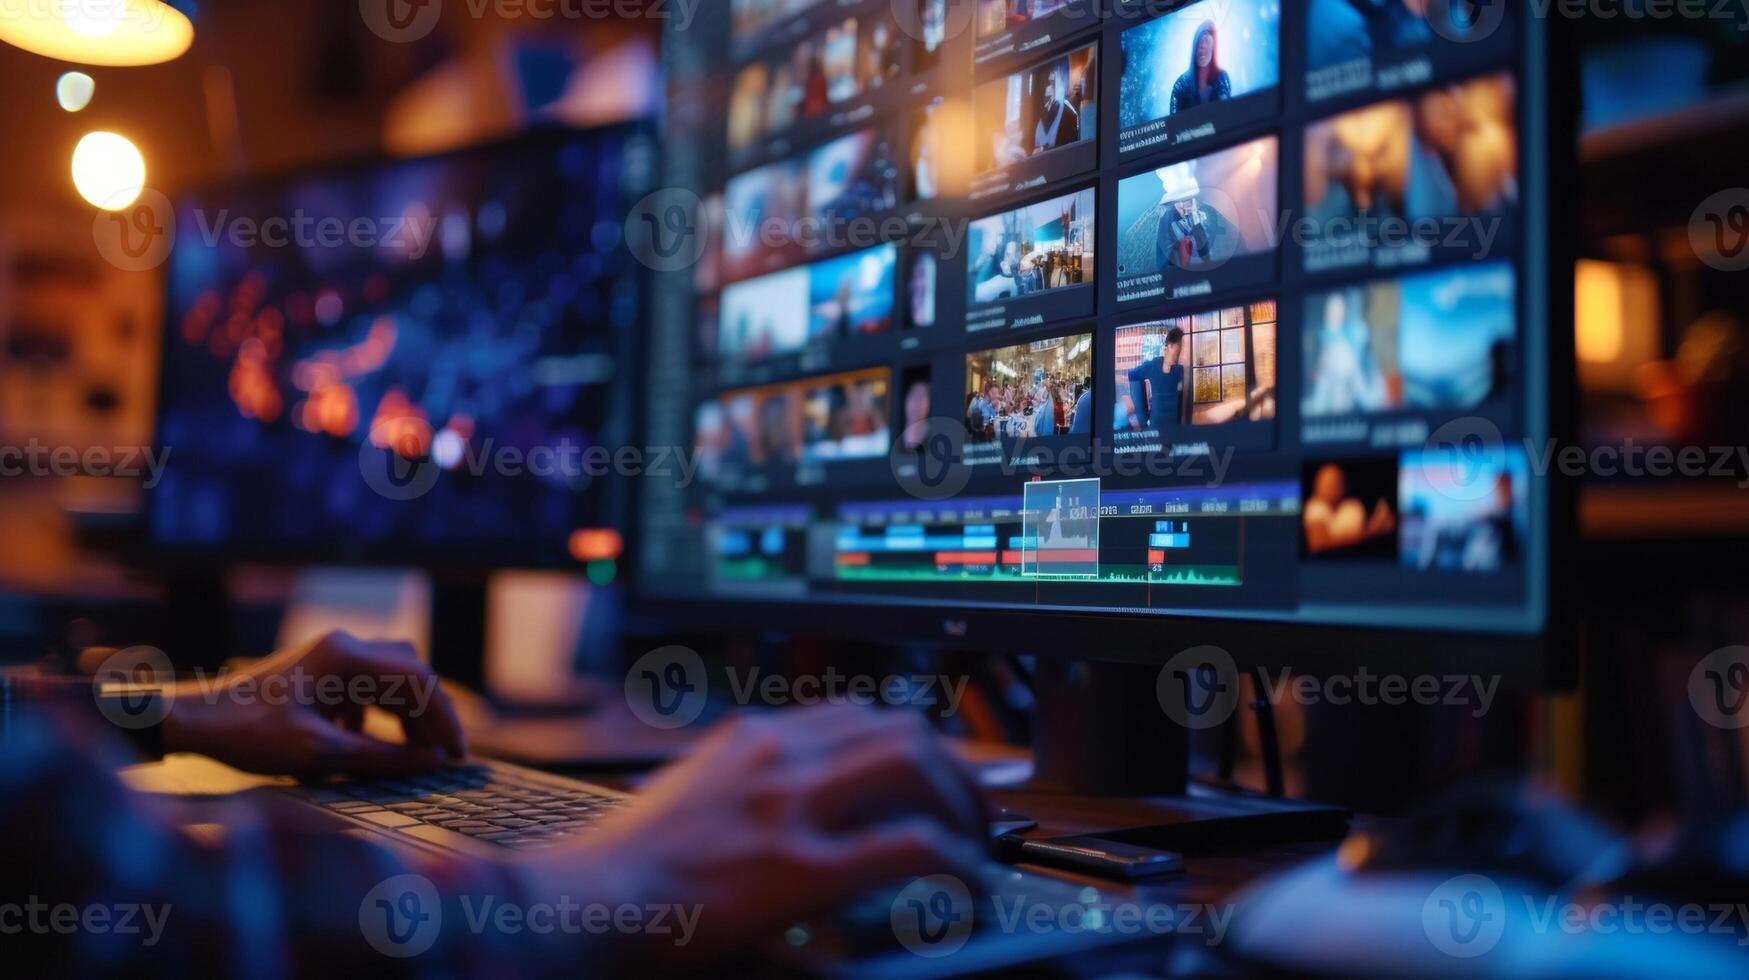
point(301, 712)
point(774, 819)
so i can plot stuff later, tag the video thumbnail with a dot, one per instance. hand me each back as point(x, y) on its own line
point(926, 148)
point(765, 317)
point(848, 179)
point(1198, 222)
point(745, 434)
point(1350, 510)
point(931, 34)
point(1429, 176)
point(762, 209)
point(1029, 391)
point(1050, 106)
point(823, 303)
point(1029, 252)
point(852, 178)
point(1432, 341)
point(1356, 45)
point(847, 60)
point(915, 386)
point(751, 18)
point(998, 16)
point(921, 288)
point(852, 295)
point(1197, 71)
point(1462, 511)
point(1203, 369)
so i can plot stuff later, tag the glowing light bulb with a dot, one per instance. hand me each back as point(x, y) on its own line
point(74, 90)
point(93, 18)
point(108, 170)
point(113, 33)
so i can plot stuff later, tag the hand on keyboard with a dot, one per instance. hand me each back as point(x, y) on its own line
point(775, 819)
point(300, 712)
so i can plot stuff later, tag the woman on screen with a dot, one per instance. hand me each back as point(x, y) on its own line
point(1205, 82)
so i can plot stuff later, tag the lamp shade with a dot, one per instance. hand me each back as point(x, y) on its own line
point(108, 33)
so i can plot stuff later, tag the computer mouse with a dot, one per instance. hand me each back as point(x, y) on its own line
point(1518, 828)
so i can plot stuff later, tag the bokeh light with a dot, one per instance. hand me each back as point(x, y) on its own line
point(74, 90)
point(109, 170)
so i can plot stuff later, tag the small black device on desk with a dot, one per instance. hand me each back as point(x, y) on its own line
point(1092, 855)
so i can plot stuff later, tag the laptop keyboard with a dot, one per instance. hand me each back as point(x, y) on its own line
point(475, 803)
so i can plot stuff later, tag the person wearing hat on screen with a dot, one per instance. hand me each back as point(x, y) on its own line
point(1205, 81)
point(1192, 234)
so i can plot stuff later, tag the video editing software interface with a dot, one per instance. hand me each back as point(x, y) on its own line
point(1222, 308)
point(408, 359)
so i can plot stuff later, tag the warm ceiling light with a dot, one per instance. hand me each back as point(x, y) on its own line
point(108, 170)
point(111, 33)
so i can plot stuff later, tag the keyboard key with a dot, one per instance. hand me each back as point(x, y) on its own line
point(387, 818)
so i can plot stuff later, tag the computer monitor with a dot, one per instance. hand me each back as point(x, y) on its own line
point(406, 362)
point(1109, 329)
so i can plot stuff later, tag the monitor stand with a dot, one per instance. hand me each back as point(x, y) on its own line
point(1109, 760)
